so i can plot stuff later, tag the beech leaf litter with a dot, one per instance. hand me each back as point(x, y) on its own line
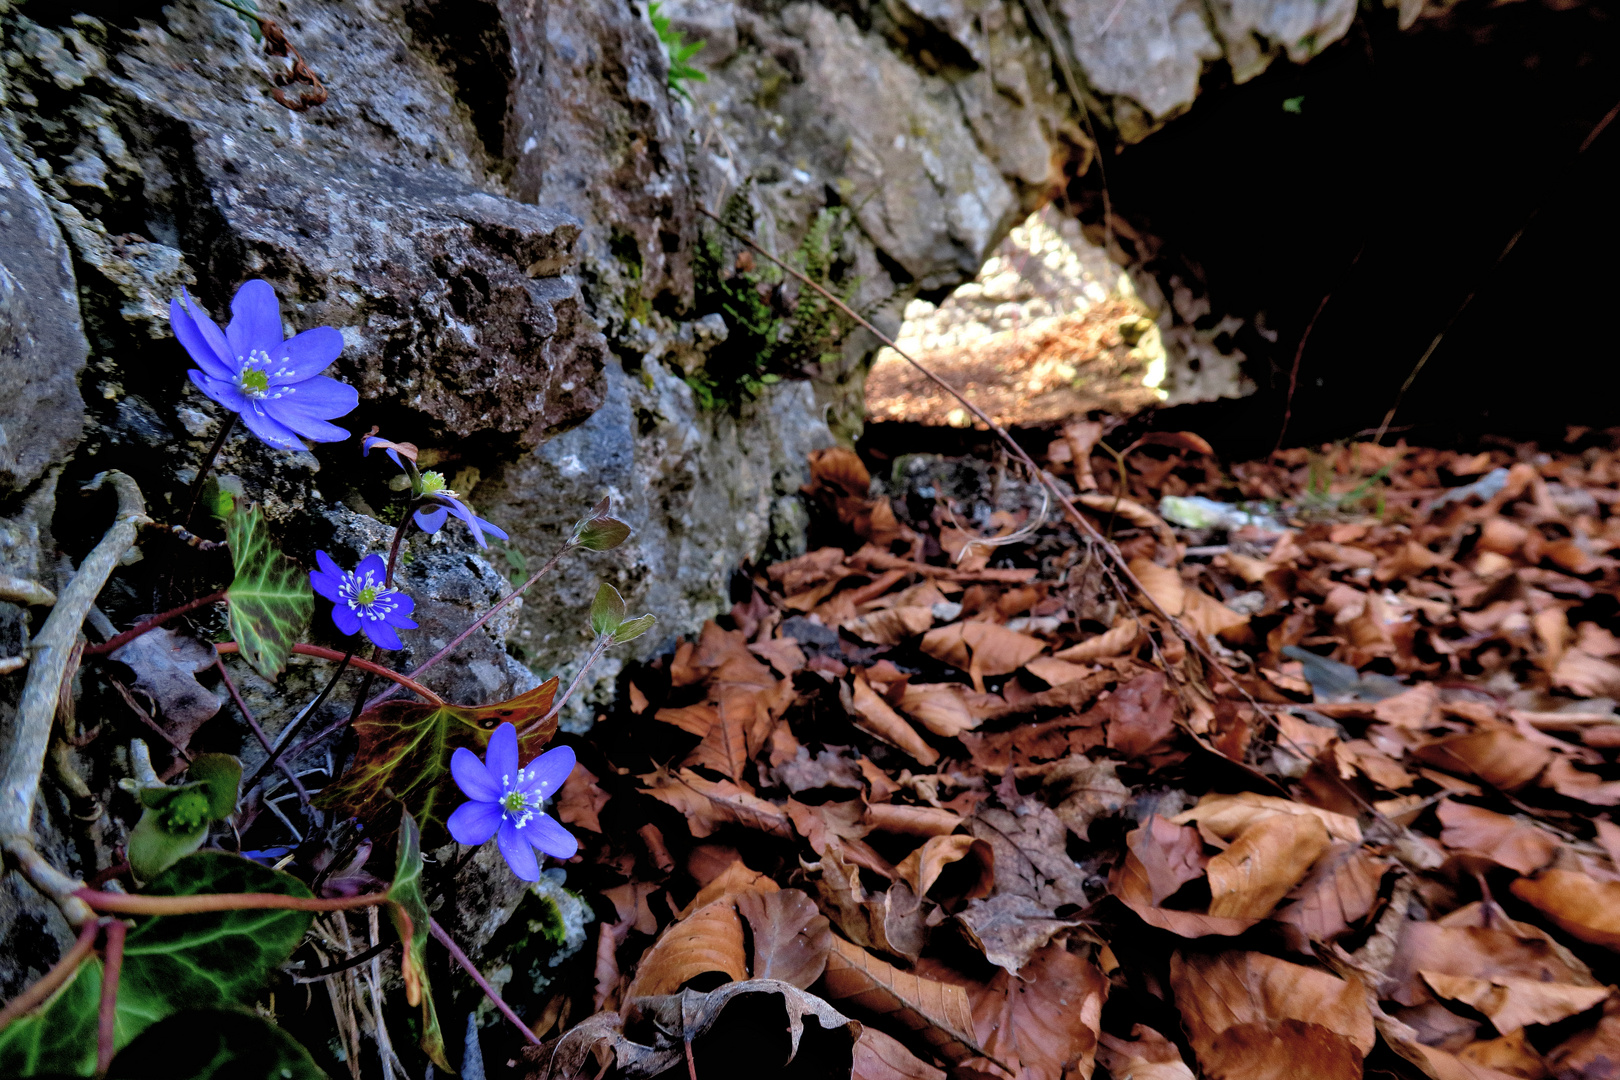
point(1314, 774)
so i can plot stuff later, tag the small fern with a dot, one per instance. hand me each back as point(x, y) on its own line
point(678, 50)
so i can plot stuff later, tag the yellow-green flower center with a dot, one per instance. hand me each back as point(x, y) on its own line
point(515, 802)
point(254, 382)
point(432, 482)
point(366, 596)
point(186, 810)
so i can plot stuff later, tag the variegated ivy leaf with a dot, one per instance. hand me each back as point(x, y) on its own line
point(407, 907)
point(270, 598)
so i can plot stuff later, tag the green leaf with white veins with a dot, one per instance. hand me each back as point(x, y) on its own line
point(270, 597)
point(607, 610)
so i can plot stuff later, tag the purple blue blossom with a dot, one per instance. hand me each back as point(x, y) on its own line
point(445, 502)
point(362, 600)
point(274, 385)
point(504, 802)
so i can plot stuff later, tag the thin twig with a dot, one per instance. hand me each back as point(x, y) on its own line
point(107, 1020)
point(146, 718)
point(477, 624)
point(125, 904)
point(153, 623)
point(483, 984)
point(258, 732)
point(337, 969)
point(206, 466)
point(36, 712)
point(274, 752)
point(35, 995)
point(230, 648)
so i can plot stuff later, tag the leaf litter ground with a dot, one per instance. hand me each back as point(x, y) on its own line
point(983, 801)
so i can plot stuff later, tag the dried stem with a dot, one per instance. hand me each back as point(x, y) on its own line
point(274, 752)
point(31, 732)
point(483, 984)
point(125, 904)
point(320, 974)
point(477, 623)
point(153, 623)
point(106, 1026)
point(35, 995)
point(258, 732)
point(230, 648)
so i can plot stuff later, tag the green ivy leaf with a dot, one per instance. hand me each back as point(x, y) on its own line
point(175, 820)
point(214, 1044)
point(217, 959)
point(404, 754)
point(270, 597)
point(607, 610)
point(408, 909)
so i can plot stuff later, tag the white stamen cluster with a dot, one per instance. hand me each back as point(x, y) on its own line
point(520, 802)
point(257, 363)
point(366, 596)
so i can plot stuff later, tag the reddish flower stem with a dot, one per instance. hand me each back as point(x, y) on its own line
point(477, 623)
point(228, 648)
point(483, 984)
point(106, 1027)
point(258, 732)
point(126, 904)
point(35, 995)
point(120, 640)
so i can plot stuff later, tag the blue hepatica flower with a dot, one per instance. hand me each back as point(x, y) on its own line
point(504, 801)
point(362, 601)
point(430, 488)
point(274, 385)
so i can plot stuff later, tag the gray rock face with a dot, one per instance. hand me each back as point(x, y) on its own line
point(42, 346)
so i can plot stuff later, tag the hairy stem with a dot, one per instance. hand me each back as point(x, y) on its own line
point(483, 984)
point(393, 549)
point(106, 1025)
point(125, 904)
point(274, 752)
point(120, 640)
point(35, 995)
point(600, 647)
point(478, 623)
point(230, 648)
point(206, 467)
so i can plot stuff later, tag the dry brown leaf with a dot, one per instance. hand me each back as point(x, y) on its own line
point(1340, 891)
point(735, 878)
point(1056, 672)
point(891, 626)
point(943, 708)
point(1499, 756)
point(1042, 1024)
point(1510, 1055)
point(1208, 615)
point(782, 653)
point(922, 867)
point(912, 820)
point(1162, 583)
point(1504, 840)
point(1080, 791)
point(1129, 882)
point(1117, 641)
point(1572, 783)
point(1170, 856)
point(1265, 861)
point(1250, 1016)
point(791, 937)
point(708, 804)
point(580, 801)
point(892, 922)
point(1582, 906)
point(810, 569)
point(1587, 676)
point(935, 1016)
point(1592, 1054)
point(882, 1057)
point(710, 939)
point(1228, 815)
point(981, 648)
point(1414, 708)
point(879, 720)
point(725, 739)
point(1147, 1055)
point(1034, 880)
point(1141, 717)
point(1434, 1062)
point(1511, 1003)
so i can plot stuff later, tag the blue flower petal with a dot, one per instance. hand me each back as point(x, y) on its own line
point(191, 339)
point(219, 390)
point(325, 584)
point(328, 565)
point(211, 332)
point(304, 356)
point(373, 567)
point(272, 432)
point(381, 634)
point(551, 769)
point(404, 604)
point(431, 520)
point(517, 852)
point(255, 319)
point(549, 837)
point(473, 779)
point(344, 617)
point(461, 510)
point(502, 755)
point(493, 530)
point(473, 823)
point(312, 429)
point(400, 622)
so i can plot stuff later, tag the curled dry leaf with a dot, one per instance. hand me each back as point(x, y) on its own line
point(878, 719)
point(1169, 855)
point(165, 663)
point(1582, 906)
point(1146, 1055)
point(708, 804)
point(1162, 583)
point(1511, 1003)
point(946, 709)
point(1497, 837)
point(1265, 861)
point(1117, 641)
point(982, 648)
point(580, 801)
point(725, 740)
point(891, 626)
point(1339, 892)
point(1250, 1016)
point(791, 936)
point(935, 1016)
point(709, 939)
point(1228, 815)
point(883, 1057)
point(922, 867)
point(908, 820)
point(735, 878)
point(1057, 672)
point(1477, 941)
point(892, 922)
point(1499, 756)
point(1080, 791)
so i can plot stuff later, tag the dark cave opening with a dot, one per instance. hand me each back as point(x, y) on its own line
point(1387, 175)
